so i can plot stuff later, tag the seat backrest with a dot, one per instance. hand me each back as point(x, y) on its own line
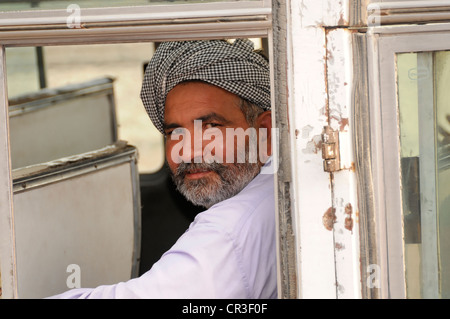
point(60, 122)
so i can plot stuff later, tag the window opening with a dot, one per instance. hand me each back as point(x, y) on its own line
point(424, 111)
point(67, 66)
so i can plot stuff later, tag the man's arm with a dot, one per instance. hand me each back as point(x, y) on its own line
point(202, 264)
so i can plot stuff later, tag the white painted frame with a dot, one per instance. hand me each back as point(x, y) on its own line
point(390, 12)
point(7, 252)
point(320, 93)
point(383, 45)
point(108, 25)
point(155, 22)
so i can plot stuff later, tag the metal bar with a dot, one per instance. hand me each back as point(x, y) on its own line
point(45, 173)
point(136, 33)
point(137, 216)
point(416, 17)
point(392, 187)
point(7, 242)
point(363, 167)
point(409, 11)
point(404, 29)
point(358, 12)
point(47, 97)
point(427, 177)
point(412, 5)
point(286, 242)
point(148, 23)
point(41, 67)
point(149, 13)
point(377, 161)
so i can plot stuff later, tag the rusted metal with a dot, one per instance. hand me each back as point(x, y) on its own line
point(343, 123)
point(330, 150)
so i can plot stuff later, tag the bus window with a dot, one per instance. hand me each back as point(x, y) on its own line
point(78, 65)
point(424, 111)
point(87, 87)
point(92, 63)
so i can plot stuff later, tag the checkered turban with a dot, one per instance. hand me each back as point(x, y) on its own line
point(234, 67)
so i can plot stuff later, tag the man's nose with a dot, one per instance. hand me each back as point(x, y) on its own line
point(192, 151)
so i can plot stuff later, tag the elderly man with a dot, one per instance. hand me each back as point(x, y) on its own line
point(198, 94)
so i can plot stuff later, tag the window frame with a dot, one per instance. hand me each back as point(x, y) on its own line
point(138, 24)
point(383, 43)
point(149, 23)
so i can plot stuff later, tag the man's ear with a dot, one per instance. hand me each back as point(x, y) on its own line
point(264, 121)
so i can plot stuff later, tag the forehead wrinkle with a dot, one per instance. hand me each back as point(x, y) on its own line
point(167, 126)
point(208, 117)
point(213, 116)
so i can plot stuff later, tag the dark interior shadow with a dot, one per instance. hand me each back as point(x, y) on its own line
point(166, 215)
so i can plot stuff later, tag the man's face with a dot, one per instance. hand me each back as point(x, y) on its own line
point(207, 164)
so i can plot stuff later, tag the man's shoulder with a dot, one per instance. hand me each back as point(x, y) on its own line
point(255, 201)
point(260, 188)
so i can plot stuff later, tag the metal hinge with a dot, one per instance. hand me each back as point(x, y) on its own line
point(330, 150)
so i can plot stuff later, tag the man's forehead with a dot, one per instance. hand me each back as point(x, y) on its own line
point(197, 100)
point(200, 86)
point(207, 117)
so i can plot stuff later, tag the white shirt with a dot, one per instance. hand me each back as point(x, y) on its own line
point(228, 251)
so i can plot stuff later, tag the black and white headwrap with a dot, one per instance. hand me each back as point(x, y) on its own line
point(235, 67)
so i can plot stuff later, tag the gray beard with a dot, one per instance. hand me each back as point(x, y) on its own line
point(226, 181)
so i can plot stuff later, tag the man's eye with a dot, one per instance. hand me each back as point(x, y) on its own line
point(211, 125)
point(177, 131)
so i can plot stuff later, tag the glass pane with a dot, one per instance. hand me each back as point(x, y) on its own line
point(64, 68)
point(19, 5)
point(22, 70)
point(424, 115)
point(442, 67)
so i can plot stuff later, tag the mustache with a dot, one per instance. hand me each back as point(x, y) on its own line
point(188, 168)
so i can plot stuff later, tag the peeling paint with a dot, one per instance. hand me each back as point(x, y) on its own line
point(352, 167)
point(324, 111)
point(343, 123)
point(329, 218)
point(342, 21)
point(314, 146)
point(340, 288)
point(339, 246)
point(306, 130)
point(348, 223)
